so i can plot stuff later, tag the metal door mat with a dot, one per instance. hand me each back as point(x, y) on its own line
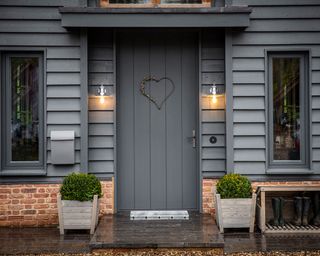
point(159, 215)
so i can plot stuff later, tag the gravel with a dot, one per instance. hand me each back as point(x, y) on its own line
point(182, 252)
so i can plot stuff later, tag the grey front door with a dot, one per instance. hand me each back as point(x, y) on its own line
point(157, 160)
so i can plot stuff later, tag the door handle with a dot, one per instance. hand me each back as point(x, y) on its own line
point(193, 138)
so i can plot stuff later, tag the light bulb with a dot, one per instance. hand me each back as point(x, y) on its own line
point(101, 99)
point(214, 99)
point(213, 91)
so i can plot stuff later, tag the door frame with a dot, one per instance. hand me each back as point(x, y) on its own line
point(198, 117)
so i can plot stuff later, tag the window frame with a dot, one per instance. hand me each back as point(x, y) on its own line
point(6, 99)
point(156, 4)
point(304, 98)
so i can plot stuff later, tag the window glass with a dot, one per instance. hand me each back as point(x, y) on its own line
point(129, 1)
point(286, 109)
point(24, 109)
point(181, 1)
point(152, 1)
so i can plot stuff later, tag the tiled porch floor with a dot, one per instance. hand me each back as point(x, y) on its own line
point(118, 231)
point(42, 240)
point(121, 232)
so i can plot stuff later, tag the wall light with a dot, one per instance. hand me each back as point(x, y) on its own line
point(102, 92)
point(213, 91)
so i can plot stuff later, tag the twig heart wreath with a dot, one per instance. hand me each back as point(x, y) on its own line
point(157, 81)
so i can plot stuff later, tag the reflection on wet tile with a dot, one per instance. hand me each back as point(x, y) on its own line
point(119, 231)
point(42, 240)
point(244, 242)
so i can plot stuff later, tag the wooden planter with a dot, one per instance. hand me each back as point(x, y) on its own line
point(78, 215)
point(235, 212)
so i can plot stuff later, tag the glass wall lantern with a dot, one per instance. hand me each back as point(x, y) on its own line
point(216, 93)
point(213, 97)
point(102, 92)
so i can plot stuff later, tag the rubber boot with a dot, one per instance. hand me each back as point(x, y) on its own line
point(306, 209)
point(276, 211)
point(316, 208)
point(297, 210)
point(281, 205)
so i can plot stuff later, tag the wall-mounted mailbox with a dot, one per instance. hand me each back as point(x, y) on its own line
point(62, 147)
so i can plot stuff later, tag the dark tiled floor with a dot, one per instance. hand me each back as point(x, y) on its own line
point(245, 242)
point(119, 231)
point(199, 231)
point(42, 240)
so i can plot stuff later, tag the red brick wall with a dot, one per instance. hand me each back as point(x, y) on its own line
point(36, 204)
point(208, 188)
point(107, 199)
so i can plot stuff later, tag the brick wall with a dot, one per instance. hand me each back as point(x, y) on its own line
point(36, 204)
point(208, 188)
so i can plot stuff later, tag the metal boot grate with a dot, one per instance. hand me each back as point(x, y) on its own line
point(159, 215)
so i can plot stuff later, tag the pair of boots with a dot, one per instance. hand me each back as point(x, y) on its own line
point(277, 207)
point(301, 209)
point(316, 204)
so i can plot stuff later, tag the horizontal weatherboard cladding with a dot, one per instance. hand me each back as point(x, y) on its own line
point(101, 139)
point(212, 65)
point(282, 25)
point(274, 25)
point(35, 25)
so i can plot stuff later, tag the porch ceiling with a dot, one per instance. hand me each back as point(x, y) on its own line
point(225, 17)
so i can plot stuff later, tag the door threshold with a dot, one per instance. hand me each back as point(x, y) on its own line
point(159, 215)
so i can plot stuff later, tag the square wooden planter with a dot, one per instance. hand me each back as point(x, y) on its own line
point(78, 215)
point(235, 212)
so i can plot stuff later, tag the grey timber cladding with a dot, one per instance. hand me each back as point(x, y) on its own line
point(213, 156)
point(275, 25)
point(35, 25)
point(101, 116)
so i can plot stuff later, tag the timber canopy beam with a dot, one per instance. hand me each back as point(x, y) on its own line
point(232, 17)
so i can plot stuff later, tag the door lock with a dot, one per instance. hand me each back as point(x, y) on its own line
point(193, 138)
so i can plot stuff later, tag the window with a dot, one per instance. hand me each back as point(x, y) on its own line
point(288, 110)
point(22, 111)
point(155, 3)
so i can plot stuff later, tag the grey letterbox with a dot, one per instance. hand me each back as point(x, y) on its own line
point(62, 147)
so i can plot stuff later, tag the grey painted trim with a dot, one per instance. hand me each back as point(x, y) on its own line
point(115, 159)
point(213, 175)
point(23, 172)
point(84, 100)
point(304, 119)
point(83, 3)
point(284, 177)
point(6, 105)
point(229, 102)
point(156, 17)
point(42, 180)
point(289, 171)
point(277, 2)
point(228, 2)
point(175, 11)
point(309, 84)
point(1, 104)
point(35, 3)
point(199, 142)
point(42, 169)
point(305, 54)
point(45, 139)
